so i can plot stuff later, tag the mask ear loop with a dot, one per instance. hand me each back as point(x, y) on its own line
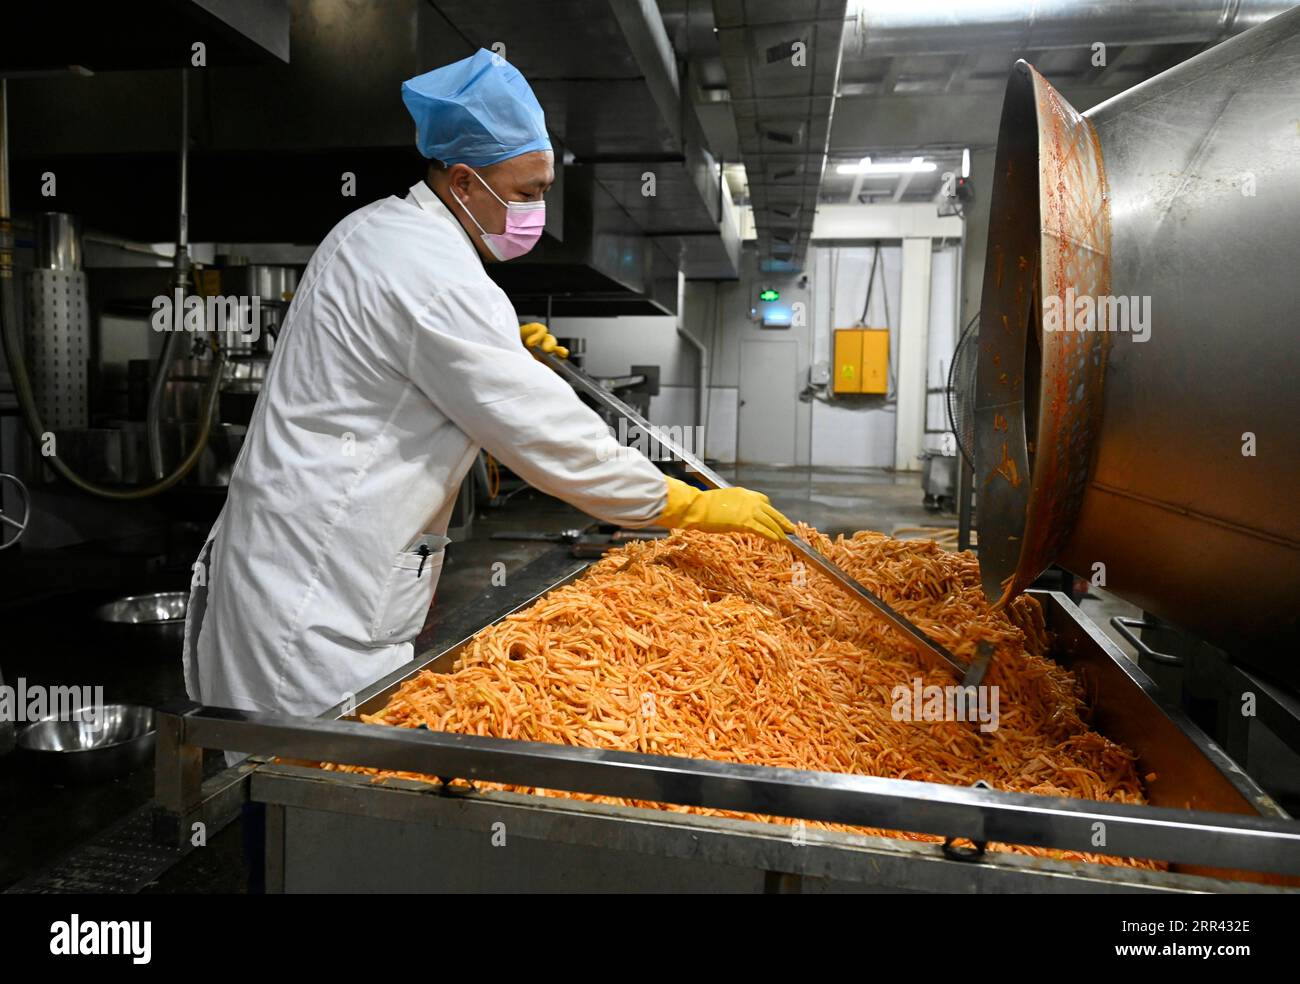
point(489, 188)
point(465, 204)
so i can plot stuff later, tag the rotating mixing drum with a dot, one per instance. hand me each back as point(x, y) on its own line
point(1171, 461)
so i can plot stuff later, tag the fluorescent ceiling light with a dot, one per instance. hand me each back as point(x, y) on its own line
point(867, 166)
point(965, 163)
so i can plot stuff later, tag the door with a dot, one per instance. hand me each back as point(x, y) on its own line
point(768, 380)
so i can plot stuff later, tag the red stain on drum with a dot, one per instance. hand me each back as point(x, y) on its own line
point(1075, 247)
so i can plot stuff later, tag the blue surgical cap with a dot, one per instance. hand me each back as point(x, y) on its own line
point(476, 111)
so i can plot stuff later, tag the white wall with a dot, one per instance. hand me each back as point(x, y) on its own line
point(723, 315)
point(614, 345)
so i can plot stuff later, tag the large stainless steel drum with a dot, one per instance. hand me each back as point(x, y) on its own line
point(1160, 449)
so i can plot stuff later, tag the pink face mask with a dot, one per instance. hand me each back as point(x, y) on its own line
point(524, 224)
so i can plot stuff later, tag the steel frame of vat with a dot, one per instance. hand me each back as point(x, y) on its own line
point(345, 834)
point(1265, 841)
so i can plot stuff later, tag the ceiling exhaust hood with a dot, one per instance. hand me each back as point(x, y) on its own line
point(641, 197)
point(782, 60)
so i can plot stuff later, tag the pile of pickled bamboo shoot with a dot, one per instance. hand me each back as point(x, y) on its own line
point(729, 647)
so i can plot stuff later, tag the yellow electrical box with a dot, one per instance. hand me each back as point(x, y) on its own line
point(861, 361)
point(875, 360)
point(847, 375)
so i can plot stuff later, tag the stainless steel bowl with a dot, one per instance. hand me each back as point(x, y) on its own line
point(150, 609)
point(118, 741)
point(148, 626)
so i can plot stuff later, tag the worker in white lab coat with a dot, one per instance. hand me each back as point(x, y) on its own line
point(399, 358)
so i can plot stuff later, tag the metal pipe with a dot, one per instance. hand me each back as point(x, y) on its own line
point(5, 211)
point(118, 242)
point(965, 473)
point(183, 198)
point(884, 28)
point(702, 355)
point(181, 280)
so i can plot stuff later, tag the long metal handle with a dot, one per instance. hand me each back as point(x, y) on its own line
point(1125, 626)
point(583, 383)
point(971, 675)
point(899, 620)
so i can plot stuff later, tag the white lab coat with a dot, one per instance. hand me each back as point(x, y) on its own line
point(397, 360)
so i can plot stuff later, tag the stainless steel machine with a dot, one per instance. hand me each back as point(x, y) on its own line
point(163, 401)
point(100, 408)
point(1091, 448)
point(1161, 455)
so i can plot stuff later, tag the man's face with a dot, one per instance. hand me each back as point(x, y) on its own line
point(525, 178)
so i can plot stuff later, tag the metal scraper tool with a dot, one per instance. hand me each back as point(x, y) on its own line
point(971, 675)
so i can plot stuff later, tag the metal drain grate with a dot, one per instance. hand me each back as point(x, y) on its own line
point(120, 860)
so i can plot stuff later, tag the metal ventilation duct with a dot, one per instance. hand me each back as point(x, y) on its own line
point(275, 137)
point(898, 27)
point(782, 59)
point(605, 73)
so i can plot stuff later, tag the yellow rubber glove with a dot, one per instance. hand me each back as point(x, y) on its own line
point(535, 335)
point(733, 510)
